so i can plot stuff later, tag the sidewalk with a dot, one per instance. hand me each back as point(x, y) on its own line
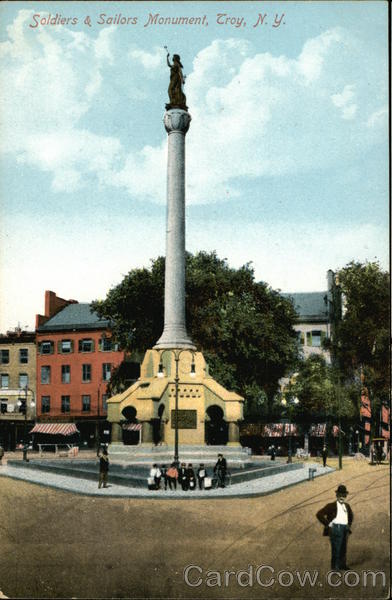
point(258, 487)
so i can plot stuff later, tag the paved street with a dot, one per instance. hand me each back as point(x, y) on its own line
point(56, 544)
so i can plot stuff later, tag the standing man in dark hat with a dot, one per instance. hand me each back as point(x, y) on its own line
point(324, 454)
point(220, 470)
point(337, 518)
point(103, 468)
point(183, 477)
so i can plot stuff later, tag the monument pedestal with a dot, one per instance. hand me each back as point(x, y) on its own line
point(200, 400)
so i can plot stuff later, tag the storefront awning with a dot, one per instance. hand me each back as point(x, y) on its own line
point(317, 430)
point(132, 426)
point(55, 428)
point(279, 430)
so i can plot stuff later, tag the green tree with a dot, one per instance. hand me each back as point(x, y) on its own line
point(321, 397)
point(361, 341)
point(243, 327)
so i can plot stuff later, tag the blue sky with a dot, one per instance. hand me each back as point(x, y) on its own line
point(286, 154)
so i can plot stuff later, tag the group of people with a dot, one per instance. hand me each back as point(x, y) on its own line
point(186, 477)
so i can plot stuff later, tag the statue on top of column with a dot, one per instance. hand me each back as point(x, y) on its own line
point(177, 79)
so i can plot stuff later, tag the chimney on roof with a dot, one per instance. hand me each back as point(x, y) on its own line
point(53, 305)
point(330, 279)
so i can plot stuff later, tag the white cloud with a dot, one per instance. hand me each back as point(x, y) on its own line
point(311, 61)
point(143, 174)
point(345, 102)
point(379, 119)
point(103, 45)
point(48, 83)
point(256, 114)
point(253, 114)
point(149, 60)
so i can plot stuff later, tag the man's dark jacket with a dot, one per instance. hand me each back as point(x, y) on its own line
point(328, 513)
point(104, 464)
point(221, 465)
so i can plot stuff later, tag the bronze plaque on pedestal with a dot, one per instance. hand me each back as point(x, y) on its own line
point(187, 419)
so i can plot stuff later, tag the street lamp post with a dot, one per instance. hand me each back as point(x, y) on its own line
point(32, 404)
point(177, 354)
point(97, 426)
point(290, 405)
point(340, 431)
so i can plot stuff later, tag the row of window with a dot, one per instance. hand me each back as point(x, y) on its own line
point(66, 373)
point(23, 356)
point(80, 404)
point(5, 380)
point(313, 338)
point(84, 345)
point(4, 406)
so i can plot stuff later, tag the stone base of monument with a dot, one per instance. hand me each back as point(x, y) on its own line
point(163, 454)
point(135, 475)
point(207, 412)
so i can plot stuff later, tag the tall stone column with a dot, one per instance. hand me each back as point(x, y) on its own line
point(174, 334)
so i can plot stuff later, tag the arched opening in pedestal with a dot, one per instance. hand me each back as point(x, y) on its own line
point(131, 429)
point(158, 426)
point(216, 428)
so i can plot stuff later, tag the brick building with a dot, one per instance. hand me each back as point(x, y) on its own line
point(75, 359)
point(17, 386)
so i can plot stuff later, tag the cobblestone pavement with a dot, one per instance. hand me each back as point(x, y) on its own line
point(256, 487)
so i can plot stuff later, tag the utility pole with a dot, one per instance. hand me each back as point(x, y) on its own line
point(97, 434)
point(340, 427)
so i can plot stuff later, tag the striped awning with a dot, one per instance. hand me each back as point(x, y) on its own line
point(55, 428)
point(317, 430)
point(279, 430)
point(132, 426)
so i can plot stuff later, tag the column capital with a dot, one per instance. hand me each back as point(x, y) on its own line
point(177, 120)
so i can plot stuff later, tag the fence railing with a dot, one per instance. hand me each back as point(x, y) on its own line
point(59, 449)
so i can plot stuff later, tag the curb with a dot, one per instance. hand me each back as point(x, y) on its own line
point(164, 496)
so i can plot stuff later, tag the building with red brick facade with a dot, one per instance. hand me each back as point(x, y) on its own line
point(75, 359)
